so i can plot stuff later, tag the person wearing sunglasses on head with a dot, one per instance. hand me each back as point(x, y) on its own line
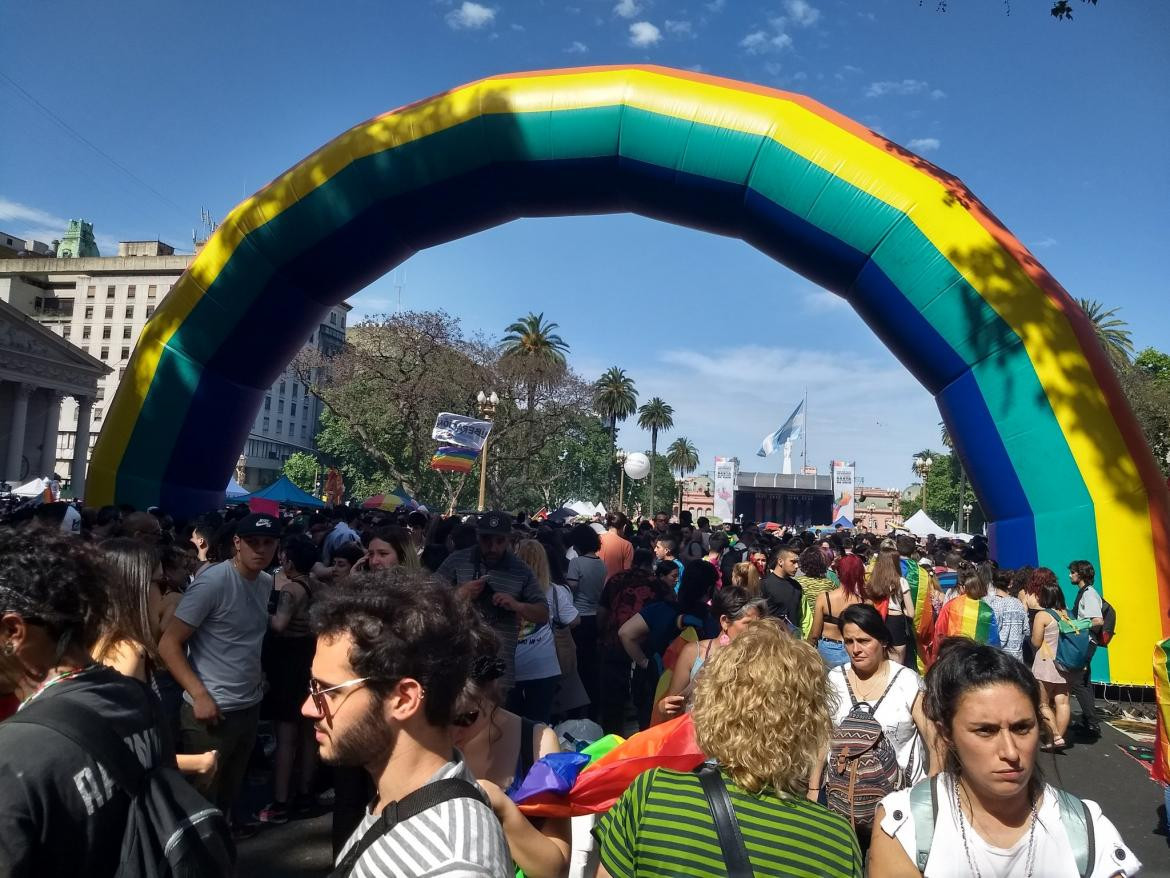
point(394, 651)
point(500, 747)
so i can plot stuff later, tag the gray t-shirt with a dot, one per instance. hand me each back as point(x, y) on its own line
point(509, 576)
point(230, 616)
point(1089, 606)
point(586, 578)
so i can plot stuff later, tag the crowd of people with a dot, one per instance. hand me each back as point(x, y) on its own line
point(859, 699)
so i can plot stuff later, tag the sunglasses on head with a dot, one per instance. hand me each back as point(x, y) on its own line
point(465, 720)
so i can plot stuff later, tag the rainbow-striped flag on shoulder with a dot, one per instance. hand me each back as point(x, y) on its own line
point(1161, 769)
point(454, 459)
point(919, 581)
point(965, 617)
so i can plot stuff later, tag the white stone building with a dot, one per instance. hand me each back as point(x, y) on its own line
point(101, 304)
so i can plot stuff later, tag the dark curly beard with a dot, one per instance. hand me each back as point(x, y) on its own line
point(368, 740)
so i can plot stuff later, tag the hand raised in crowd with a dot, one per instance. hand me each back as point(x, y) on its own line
point(473, 588)
point(506, 601)
point(672, 705)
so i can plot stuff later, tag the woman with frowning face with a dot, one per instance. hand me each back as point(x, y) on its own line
point(995, 815)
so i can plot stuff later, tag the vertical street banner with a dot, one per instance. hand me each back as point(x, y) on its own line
point(843, 492)
point(724, 506)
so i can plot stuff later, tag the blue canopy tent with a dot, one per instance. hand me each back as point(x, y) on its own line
point(285, 493)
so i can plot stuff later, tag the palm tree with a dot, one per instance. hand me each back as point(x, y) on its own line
point(615, 398)
point(683, 458)
point(541, 352)
point(654, 416)
point(1111, 332)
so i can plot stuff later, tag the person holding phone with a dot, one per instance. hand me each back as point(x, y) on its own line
point(501, 586)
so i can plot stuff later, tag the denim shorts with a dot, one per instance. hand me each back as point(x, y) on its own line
point(832, 651)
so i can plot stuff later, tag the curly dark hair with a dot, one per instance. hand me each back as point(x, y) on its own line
point(403, 624)
point(812, 563)
point(55, 581)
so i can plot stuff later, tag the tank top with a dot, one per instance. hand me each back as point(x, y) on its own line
point(298, 625)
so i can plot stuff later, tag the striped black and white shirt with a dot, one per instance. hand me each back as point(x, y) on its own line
point(460, 838)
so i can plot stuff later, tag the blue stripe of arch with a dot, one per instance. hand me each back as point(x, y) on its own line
point(377, 239)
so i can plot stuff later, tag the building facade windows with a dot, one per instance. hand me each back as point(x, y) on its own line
point(151, 291)
point(110, 292)
point(105, 353)
point(265, 425)
point(90, 292)
point(131, 291)
point(89, 312)
point(279, 426)
point(65, 331)
point(129, 312)
point(280, 406)
point(125, 353)
point(268, 403)
point(126, 330)
point(106, 330)
point(109, 312)
point(149, 311)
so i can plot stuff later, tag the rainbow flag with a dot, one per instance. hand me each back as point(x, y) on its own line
point(919, 581)
point(965, 617)
point(1161, 770)
point(614, 765)
point(454, 459)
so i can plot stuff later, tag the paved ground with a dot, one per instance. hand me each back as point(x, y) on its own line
point(1098, 771)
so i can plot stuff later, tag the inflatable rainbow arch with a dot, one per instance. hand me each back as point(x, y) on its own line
point(1055, 455)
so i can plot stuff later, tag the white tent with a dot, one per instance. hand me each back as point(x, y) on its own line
point(32, 488)
point(920, 525)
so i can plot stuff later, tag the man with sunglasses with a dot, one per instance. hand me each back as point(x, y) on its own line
point(393, 654)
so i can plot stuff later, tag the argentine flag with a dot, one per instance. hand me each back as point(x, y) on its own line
point(789, 432)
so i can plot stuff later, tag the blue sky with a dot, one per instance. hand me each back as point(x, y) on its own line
point(1060, 127)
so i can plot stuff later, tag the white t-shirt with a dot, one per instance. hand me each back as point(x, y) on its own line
point(536, 654)
point(1052, 856)
point(894, 714)
point(561, 609)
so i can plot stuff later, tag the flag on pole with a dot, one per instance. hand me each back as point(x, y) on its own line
point(791, 431)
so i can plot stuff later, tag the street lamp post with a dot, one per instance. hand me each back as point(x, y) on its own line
point(487, 410)
point(923, 466)
point(621, 460)
point(966, 527)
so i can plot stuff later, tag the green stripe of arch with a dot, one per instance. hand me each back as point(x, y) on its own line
point(1030, 433)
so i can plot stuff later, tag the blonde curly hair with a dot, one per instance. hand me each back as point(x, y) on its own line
point(761, 708)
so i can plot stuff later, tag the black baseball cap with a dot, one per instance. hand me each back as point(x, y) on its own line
point(494, 523)
point(259, 524)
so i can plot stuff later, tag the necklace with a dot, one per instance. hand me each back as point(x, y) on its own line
point(868, 687)
point(53, 681)
point(1029, 856)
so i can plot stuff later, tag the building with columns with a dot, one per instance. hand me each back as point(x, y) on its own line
point(100, 305)
point(38, 371)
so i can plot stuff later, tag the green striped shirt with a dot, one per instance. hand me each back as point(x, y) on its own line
point(661, 826)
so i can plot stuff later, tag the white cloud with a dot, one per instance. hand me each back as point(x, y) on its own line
point(716, 5)
point(14, 212)
point(518, 27)
point(818, 301)
point(925, 144)
point(470, 16)
point(799, 76)
point(758, 42)
point(577, 48)
point(679, 28)
point(868, 16)
point(938, 93)
point(627, 8)
point(895, 87)
point(644, 34)
point(802, 12)
point(1044, 243)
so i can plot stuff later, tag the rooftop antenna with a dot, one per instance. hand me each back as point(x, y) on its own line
point(399, 284)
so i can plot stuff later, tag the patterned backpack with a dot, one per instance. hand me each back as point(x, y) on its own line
point(863, 767)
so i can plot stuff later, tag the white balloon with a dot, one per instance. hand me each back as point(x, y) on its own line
point(637, 465)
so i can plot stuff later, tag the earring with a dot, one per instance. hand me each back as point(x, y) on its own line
point(9, 649)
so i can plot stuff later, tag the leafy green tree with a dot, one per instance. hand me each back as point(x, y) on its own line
point(302, 469)
point(536, 351)
point(1111, 331)
point(1153, 364)
point(1147, 388)
point(1061, 10)
point(654, 416)
point(683, 458)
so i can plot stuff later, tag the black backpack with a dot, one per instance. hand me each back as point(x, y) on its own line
point(171, 830)
point(1108, 617)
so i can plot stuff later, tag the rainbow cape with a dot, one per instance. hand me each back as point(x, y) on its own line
point(550, 790)
point(453, 458)
point(965, 617)
point(1161, 770)
point(919, 581)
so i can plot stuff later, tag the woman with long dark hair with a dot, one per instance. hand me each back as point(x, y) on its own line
point(990, 812)
point(889, 592)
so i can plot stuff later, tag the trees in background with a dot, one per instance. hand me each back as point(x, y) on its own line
point(654, 416)
point(302, 469)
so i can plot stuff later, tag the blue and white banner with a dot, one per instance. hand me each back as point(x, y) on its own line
point(790, 432)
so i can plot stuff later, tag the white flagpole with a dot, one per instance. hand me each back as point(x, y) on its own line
point(804, 433)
